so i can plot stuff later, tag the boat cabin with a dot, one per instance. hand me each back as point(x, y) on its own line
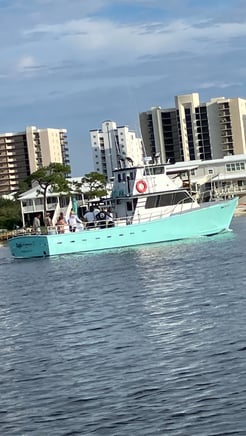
point(147, 192)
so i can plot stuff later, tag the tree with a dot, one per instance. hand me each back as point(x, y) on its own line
point(95, 184)
point(10, 214)
point(53, 177)
point(24, 185)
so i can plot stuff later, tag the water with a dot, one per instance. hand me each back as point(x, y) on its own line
point(145, 341)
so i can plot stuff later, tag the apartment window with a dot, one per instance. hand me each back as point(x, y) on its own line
point(238, 166)
point(210, 171)
point(50, 200)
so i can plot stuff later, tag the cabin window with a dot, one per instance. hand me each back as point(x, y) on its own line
point(158, 170)
point(150, 171)
point(151, 202)
point(168, 199)
point(129, 207)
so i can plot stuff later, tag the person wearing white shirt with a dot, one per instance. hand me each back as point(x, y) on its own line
point(73, 221)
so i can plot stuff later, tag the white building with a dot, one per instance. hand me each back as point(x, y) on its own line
point(32, 202)
point(112, 146)
point(221, 177)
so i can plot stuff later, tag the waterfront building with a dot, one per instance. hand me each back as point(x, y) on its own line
point(112, 146)
point(32, 202)
point(215, 178)
point(23, 153)
point(193, 130)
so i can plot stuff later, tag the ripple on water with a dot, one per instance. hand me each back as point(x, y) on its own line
point(147, 341)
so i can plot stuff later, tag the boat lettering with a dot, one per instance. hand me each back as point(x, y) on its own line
point(24, 245)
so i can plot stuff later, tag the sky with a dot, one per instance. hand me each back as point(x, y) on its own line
point(76, 63)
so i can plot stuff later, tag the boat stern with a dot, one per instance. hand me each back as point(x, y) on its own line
point(27, 246)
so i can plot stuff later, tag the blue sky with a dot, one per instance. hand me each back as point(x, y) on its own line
point(75, 63)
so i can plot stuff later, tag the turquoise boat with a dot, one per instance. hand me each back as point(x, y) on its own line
point(148, 206)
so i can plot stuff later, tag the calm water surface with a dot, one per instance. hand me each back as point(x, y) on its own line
point(146, 341)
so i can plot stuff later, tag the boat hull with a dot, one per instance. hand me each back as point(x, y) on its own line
point(204, 221)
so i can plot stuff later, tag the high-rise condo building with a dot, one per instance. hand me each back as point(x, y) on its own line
point(24, 152)
point(113, 147)
point(193, 130)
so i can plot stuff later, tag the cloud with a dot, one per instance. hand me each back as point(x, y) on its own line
point(113, 42)
point(65, 61)
point(219, 85)
point(53, 39)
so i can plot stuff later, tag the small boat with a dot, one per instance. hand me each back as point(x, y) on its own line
point(148, 206)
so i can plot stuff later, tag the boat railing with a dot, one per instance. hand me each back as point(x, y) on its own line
point(180, 207)
point(213, 194)
point(185, 206)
